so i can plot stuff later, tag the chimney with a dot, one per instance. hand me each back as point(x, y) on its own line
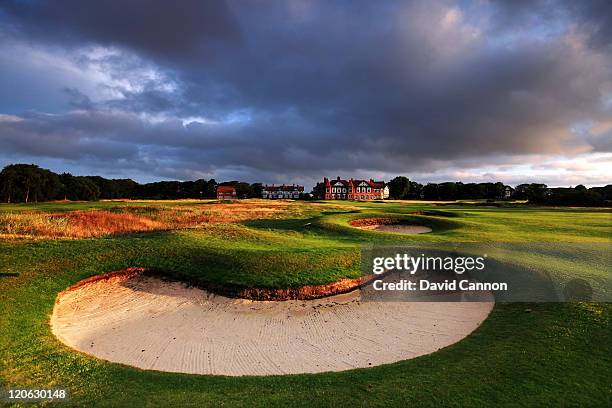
point(338, 178)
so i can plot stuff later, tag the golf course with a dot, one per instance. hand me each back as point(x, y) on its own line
point(520, 354)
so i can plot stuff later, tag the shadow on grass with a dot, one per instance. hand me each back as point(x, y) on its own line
point(438, 213)
point(291, 224)
point(8, 275)
point(296, 224)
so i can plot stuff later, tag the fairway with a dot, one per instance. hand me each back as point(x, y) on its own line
point(522, 352)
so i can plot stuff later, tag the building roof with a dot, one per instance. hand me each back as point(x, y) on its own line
point(355, 182)
point(371, 183)
point(226, 189)
point(293, 187)
point(336, 181)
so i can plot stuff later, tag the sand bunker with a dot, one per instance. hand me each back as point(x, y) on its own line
point(154, 324)
point(389, 225)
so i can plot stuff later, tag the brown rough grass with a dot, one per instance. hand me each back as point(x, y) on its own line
point(129, 219)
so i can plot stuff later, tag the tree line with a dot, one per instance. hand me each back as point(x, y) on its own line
point(24, 183)
point(30, 183)
point(402, 188)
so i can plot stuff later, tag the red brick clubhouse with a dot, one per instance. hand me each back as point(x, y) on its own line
point(354, 189)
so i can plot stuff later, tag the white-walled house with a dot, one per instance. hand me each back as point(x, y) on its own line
point(282, 192)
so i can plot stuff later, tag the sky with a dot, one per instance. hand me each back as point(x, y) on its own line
point(292, 91)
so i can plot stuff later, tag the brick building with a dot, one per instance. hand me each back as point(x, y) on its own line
point(354, 189)
point(226, 192)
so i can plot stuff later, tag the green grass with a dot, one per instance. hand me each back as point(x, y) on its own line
point(523, 355)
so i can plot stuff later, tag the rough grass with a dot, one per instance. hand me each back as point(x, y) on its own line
point(75, 224)
point(128, 219)
point(523, 355)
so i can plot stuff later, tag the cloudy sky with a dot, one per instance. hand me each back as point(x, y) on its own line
point(291, 91)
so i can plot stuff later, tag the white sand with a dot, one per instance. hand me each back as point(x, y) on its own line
point(152, 324)
point(399, 228)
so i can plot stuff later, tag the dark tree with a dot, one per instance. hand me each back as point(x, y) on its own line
point(115, 188)
point(399, 188)
point(211, 189)
point(257, 189)
point(580, 187)
point(578, 196)
point(430, 192)
point(28, 182)
point(534, 193)
point(449, 191)
point(318, 191)
point(605, 192)
point(79, 188)
point(416, 191)
point(8, 183)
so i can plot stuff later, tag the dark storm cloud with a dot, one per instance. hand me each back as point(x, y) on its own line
point(301, 88)
point(155, 27)
point(64, 136)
